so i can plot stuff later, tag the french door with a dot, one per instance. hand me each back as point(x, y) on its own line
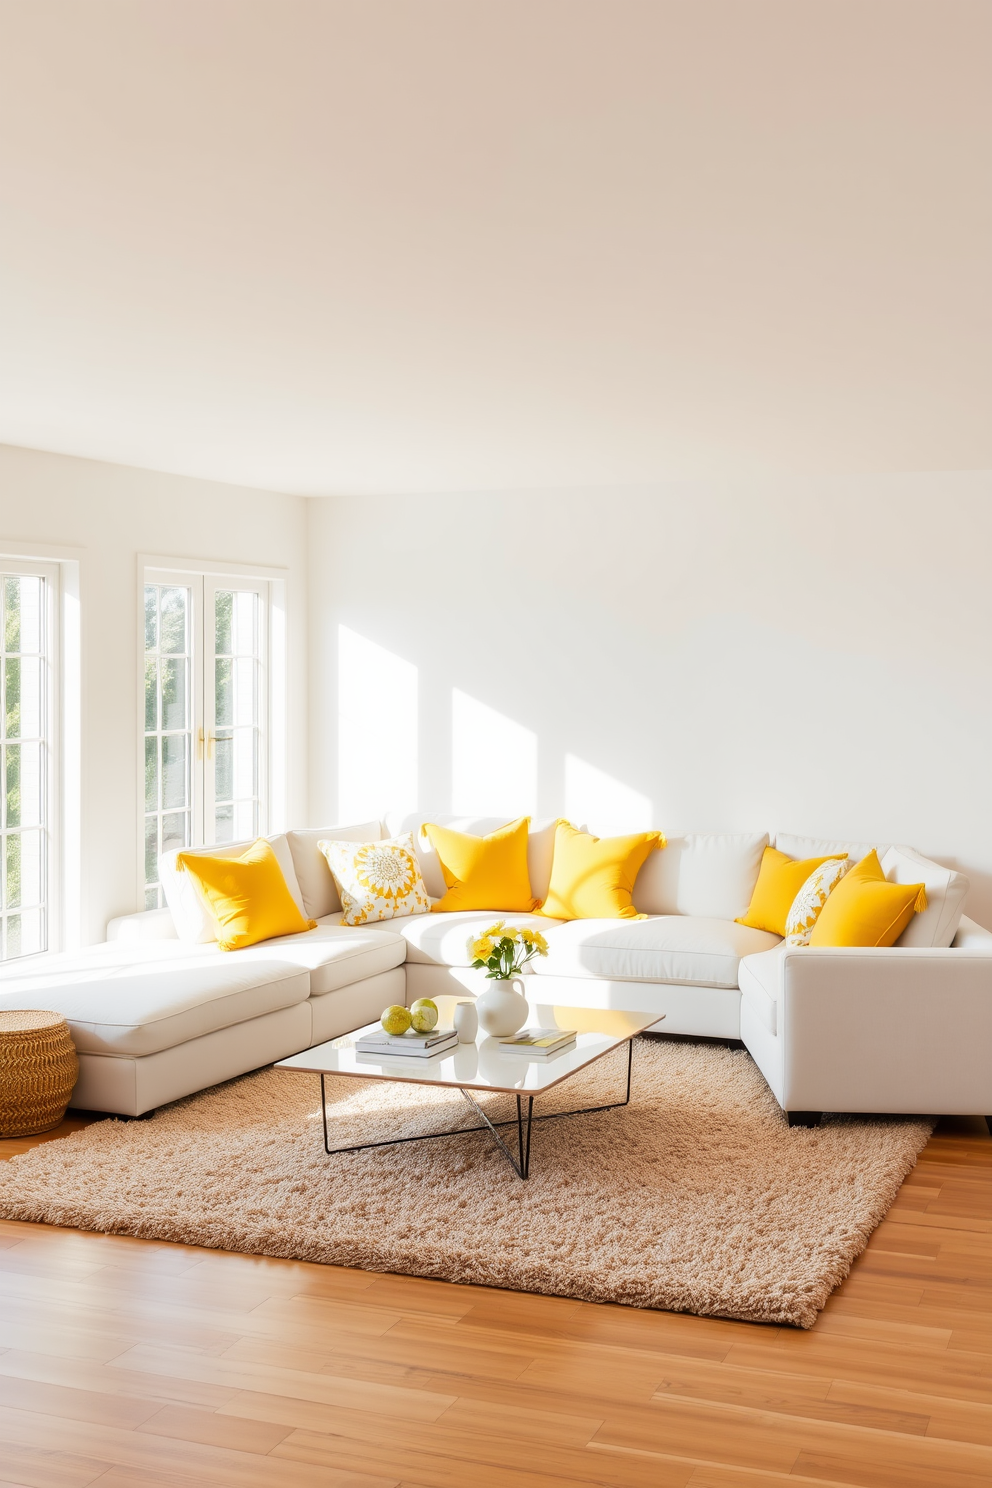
point(205, 714)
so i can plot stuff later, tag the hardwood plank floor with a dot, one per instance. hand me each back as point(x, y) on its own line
point(137, 1364)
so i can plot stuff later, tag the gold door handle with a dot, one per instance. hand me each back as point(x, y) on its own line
point(208, 740)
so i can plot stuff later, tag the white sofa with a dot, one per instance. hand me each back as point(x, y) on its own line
point(159, 1011)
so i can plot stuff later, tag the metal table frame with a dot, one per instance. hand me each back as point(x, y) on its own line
point(523, 1122)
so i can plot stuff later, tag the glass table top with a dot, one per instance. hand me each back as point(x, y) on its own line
point(487, 1064)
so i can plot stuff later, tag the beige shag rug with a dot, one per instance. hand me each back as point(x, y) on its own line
point(697, 1197)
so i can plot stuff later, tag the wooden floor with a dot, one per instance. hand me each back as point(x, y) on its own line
point(134, 1364)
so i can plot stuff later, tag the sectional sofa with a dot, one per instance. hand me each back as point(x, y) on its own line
point(159, 1011)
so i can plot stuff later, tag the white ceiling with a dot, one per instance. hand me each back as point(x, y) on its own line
point(414, 245)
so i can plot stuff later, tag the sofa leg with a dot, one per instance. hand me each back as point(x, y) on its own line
point(804, 1118)
point(988, 1123)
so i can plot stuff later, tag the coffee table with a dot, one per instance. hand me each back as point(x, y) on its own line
point(486, 1066)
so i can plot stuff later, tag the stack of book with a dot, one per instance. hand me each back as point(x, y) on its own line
point(540, 1041)
point(418, 1045)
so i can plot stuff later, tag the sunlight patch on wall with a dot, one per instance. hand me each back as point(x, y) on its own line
point(377, 729)
point(493, 761)
point(606, 805)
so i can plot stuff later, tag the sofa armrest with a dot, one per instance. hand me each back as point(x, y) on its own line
point(972, 937)
point(904, 1029)
point(149, 924)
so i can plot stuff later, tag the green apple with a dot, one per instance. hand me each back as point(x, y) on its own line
point(423, 1014)
point(395, 1019)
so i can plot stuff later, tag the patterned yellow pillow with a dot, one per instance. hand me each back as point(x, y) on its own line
point(805, 909)
point(376, 880)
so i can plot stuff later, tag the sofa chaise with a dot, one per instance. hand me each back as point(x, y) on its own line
point(159, 1011)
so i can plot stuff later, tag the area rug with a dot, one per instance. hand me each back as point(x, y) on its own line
point(697, 1197)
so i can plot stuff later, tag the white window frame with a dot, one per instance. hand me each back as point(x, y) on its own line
point(212, 583)
point(205, 578)
point(55, 900)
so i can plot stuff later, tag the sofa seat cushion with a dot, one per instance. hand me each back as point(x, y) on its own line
point(443, 939)
point(668, 948)
point(137, 999)
point(761, 985)
point(335, 955)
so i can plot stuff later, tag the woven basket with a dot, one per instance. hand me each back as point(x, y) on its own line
point(38, 1068)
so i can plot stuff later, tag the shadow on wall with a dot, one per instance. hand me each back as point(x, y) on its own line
point(697, 742)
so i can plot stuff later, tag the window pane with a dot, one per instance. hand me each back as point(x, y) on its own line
point(223, 692)
point(12, 615)
point(174, 606)
point(24, 685)
point(224, 767)
point(175, 831)
point(151, 617)
point(224, 824)
point(151, 693)
point(245, 819)
point(12, 785)
point(174, 693)
point(244, 692)
point(245, 753)
point(243, 614)
point(29, 932)
point(32, 596)
point(151, 773)
point(23, 866)
point(153, 898)
point(12, 698)
point(12, 872)
point(151, 849)
point(31, 799)
point(23, 785)
point(32, 867)
point(222, 623)
point(12, 937)
point(175, 782)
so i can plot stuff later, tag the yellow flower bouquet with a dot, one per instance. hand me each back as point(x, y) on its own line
point(505, 950)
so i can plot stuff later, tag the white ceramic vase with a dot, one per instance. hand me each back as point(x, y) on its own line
point(466, 1022)
point(502, 1008)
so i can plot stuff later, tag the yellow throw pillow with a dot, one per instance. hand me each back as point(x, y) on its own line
point(592, 878)
point(484, 872)
point(866, 910)
point(779, 880)
point(247, 896)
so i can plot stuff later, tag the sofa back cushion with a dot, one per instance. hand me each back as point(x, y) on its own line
point(946, 892)
point(192, 918)
point(710, 874)
point(540, 845)
point(825, 847)
point(317, 887)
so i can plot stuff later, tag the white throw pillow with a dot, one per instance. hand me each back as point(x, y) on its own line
point(377, 880)
point(805, 909)
point(320, 896)
point(946, 893)
point(190, 913)
point(710, 874)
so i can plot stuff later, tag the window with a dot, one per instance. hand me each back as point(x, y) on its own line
point(28, 734)
point(205, 714)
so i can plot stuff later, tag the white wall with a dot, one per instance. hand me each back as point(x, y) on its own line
point(813, 656)
point(112, 513)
